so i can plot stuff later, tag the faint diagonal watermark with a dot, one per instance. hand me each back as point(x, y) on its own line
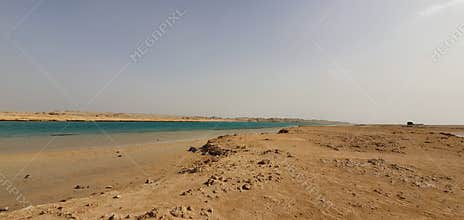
point(12, 190)
point(162, 29)
point(445, 46)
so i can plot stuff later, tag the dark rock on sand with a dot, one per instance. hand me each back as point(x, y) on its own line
point(192, 149)
point(213, 150)
point(264, 162)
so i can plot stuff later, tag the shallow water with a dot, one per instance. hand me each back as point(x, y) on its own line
point(54, 143)
point(29, 129)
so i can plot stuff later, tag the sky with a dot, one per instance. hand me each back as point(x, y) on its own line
point(360, 61)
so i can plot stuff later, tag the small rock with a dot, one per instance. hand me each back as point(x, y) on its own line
point(149, 181)
point(114, 217)
point(108, 187)
point(116, 197)
point(264, 162)
point(246, 186)
point(192, 149)
point(4, 209)
point(178, 211)
point(283, 131)
point(150, 214)
point(79, 187)
point(27, 176)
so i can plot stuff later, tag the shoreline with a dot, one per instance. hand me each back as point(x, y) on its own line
point(315, 172)
point(18, 144)
point(76, 116)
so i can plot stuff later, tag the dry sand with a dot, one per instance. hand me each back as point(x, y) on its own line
point(342, 172)
point(96, 116)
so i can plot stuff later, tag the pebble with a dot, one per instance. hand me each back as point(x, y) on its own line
point(246, 186)
point(264, 161)
point(4, 209)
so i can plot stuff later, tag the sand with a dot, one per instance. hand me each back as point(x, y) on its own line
point(339, 172)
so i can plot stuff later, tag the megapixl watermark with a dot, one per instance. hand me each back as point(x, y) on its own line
point(7, 185)
point(446, 45)
point(156, 35)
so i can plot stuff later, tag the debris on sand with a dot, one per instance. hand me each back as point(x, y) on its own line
point(150, 214)
point(213, 150)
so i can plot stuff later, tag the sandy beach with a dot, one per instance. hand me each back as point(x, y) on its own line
point(337, 172)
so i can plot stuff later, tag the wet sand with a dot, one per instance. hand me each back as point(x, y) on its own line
point(55, 165)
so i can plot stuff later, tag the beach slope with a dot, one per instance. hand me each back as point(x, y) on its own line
point(338, 172)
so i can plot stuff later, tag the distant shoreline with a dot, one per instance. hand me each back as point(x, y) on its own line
point(76, 116)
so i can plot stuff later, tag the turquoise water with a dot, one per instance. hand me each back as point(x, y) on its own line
point(27, 129)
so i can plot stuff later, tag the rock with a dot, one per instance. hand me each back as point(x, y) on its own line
point(213, 150)
point(376, 161)
point(27, 176)
point(447, 134)
point(246, 186)
point(210, 182)
point(108, 187)
point(264, 162)
point(116, 197)
point(79, 187)
point(178, 212)
point(192, 149)
point(283, 131)
point(190, 170)
point(149, 181)
point(410, 123)
point(114, 217)
point(150, 214)
point(4, 209)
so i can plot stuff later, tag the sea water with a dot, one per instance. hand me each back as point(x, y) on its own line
point(30, 128)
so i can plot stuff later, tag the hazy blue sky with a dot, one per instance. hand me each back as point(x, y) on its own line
point(359, 61)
